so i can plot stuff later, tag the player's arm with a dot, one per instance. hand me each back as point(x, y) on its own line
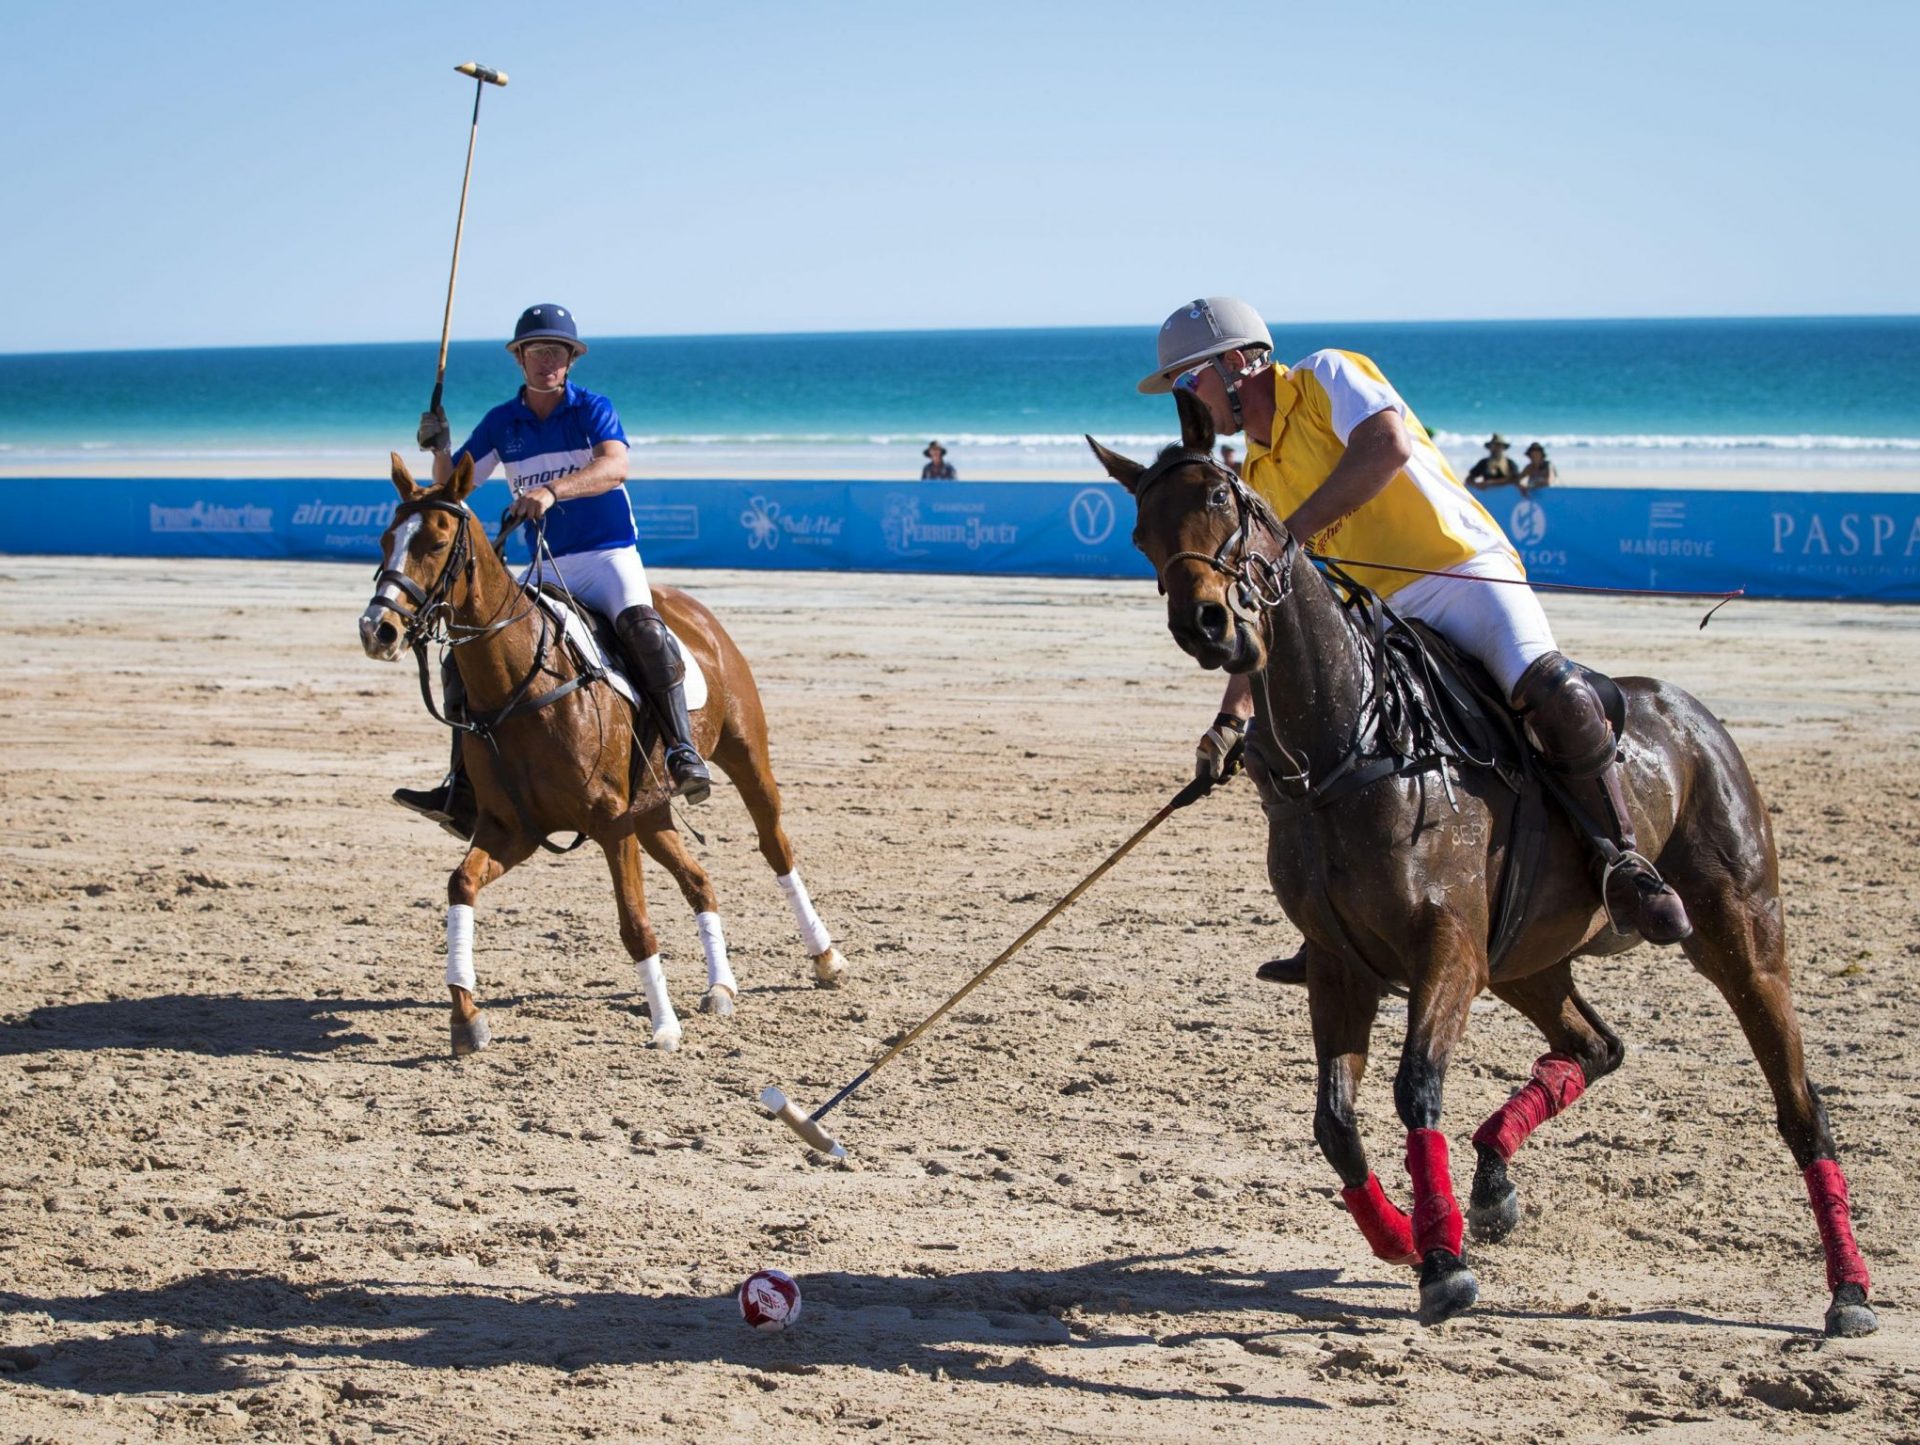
point(1376, 450)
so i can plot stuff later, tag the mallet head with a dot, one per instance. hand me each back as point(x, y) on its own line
point(481, 72)
point(787, 1112)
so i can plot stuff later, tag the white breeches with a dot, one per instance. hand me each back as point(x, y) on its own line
point(609, 581)
point(1500, 624)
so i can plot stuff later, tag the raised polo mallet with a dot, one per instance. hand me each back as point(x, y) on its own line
point(482, 78)
point(808, 1127)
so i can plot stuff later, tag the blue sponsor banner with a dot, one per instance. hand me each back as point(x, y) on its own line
point(1775, 544)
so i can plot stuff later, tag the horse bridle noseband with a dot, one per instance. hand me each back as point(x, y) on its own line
point(431, 606)
point(1260, 582)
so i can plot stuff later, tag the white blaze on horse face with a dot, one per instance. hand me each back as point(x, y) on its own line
point(376, 611)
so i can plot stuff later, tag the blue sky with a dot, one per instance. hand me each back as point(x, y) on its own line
point(211, 174)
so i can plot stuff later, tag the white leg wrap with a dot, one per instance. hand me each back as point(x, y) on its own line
point(713, 942)
point(812, 931)
point(653, 982)
point(460, 945)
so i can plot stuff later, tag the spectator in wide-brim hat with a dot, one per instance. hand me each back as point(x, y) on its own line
point(1539, 472)
point(1496, 468)
point(938, 468)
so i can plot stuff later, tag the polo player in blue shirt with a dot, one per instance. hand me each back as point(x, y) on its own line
point(564, 455)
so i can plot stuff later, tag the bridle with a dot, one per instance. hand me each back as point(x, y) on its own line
point(1260, 582)
point(431, 619)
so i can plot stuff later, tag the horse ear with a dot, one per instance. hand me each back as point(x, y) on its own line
point(403, 479)
point(461, 482)
point(1123, 470)
point(1196, 422)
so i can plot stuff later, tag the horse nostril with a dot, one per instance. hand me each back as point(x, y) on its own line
point(386, 634)
point(1211, 619)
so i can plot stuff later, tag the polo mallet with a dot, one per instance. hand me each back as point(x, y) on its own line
point(808, 1127)
point(482, 78)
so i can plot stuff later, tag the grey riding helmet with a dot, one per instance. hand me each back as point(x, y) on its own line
point(1201, 330)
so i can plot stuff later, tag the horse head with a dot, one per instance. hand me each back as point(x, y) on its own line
point(427, 557)
point(1202, 528)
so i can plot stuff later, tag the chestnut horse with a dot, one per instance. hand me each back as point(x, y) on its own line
point(1396, 886)
point(556, 750)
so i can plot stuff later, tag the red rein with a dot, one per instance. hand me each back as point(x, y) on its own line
point(1557, 1081)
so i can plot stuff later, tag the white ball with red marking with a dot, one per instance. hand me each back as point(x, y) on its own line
point(769, 1300)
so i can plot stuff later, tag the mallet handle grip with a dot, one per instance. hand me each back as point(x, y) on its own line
point(1186, 795)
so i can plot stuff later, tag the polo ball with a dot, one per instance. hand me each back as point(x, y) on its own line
point(769, 1300)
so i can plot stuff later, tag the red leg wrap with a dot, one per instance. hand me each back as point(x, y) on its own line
point(1436, 1218)
point(1381, 1221)
point(1557, 1081)
point(1827, 1189)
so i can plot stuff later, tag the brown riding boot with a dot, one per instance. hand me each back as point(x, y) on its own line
point(1576, 742)
point(660, 675)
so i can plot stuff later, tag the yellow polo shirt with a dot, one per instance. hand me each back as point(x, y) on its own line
point(1423, 518)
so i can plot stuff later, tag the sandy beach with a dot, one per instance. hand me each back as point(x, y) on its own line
point(247, 1195)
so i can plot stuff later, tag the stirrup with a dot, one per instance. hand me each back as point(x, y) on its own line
point(689, 774)
point(1643, 867)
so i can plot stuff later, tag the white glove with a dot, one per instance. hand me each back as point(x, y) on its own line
point(1218, 755)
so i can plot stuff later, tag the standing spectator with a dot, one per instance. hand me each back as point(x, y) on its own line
point(1230, 459)
point(1496, 468)
point(937, 469)
point(1539, 473)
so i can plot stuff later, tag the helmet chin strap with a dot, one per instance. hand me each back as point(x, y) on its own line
point(1232, 382)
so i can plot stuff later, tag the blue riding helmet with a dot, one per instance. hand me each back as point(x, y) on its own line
point(547, 322)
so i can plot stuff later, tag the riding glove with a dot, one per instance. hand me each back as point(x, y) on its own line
point(434, 435)
point(1218, 756)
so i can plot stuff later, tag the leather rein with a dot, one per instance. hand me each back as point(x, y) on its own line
point(432, 620)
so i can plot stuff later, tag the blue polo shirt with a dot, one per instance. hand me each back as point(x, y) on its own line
point(533, 453)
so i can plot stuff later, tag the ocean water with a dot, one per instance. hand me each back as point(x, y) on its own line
point(1796, 393)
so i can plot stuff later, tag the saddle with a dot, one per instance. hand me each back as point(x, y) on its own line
point(596, 649)
point(1434, 708)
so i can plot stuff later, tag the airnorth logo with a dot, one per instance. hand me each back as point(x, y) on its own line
point(341, 514)
point(1091, 515)
point(204, 516)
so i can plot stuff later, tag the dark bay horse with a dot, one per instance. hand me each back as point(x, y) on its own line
point(563, 755)
point(1395, 887)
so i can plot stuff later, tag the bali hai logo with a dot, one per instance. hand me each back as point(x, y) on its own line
point(762, 521)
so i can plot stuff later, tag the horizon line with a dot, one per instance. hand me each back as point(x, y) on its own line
point(965, 330)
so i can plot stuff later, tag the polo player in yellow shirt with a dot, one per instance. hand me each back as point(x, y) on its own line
point(1343, 460)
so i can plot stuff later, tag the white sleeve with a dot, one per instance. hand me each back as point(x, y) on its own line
point(1355, 389)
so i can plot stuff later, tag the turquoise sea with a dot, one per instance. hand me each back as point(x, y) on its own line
point(1788, 393)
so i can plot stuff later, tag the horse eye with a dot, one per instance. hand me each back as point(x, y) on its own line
point(1218, 497)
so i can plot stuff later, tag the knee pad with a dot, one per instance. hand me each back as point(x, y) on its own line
point(1566, 717)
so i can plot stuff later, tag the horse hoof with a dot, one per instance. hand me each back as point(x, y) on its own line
point(718, 1001)
point(1447, 1286)
point(666, 1040)
point(1494, 1221)
point(470, 1035)
point(829, 969)
point(1850, 1316)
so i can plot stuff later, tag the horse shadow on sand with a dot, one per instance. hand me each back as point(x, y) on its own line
point(218, 1025)
point(218, 1331)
